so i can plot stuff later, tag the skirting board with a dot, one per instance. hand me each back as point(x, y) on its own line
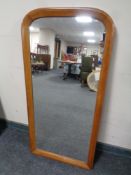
point(103, 147)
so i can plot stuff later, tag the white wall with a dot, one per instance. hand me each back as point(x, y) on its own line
point(63, 46)
point(92, 49)
point(43, 37)
point(116, 118)
point(47, 37)
point(34, 40)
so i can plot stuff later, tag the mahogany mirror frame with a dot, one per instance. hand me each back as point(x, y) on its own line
point(110, 30)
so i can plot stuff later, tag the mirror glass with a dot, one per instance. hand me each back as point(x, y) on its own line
point(66, 58)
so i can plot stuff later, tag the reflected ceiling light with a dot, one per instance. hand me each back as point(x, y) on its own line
point(33, 29)
point(88, 33)
point(91, 41)
point(83, 19)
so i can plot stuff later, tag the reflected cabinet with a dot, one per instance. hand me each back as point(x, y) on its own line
point(66, 59)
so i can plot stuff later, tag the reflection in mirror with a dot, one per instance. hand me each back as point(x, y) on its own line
point(66, 59)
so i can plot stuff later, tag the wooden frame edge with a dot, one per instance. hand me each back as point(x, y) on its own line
point(61, 158)
point(67, 12)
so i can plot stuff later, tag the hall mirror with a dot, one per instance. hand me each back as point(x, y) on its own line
point(66, 57)
point(66, 60)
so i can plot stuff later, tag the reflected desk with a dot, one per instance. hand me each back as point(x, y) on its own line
point(71, 67)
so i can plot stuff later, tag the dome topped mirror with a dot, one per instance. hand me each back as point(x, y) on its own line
point(66, 58)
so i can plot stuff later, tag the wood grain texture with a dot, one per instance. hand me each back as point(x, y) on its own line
point(61, 158)
point(110, 30)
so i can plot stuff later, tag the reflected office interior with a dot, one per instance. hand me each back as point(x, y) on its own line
point(66, 58)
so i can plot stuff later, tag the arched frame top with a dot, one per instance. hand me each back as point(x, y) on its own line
point(110, 30)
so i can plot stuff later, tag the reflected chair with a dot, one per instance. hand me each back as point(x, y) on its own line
point(40, 62)
point(42, 49)
point(86, 69)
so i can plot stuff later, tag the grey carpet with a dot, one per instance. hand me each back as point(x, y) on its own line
point(16, 159)
point(63, 114)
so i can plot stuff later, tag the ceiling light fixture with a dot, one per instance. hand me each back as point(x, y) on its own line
point(33, 29)
point(83, 19)
point(91, 41)
point(88, 33)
